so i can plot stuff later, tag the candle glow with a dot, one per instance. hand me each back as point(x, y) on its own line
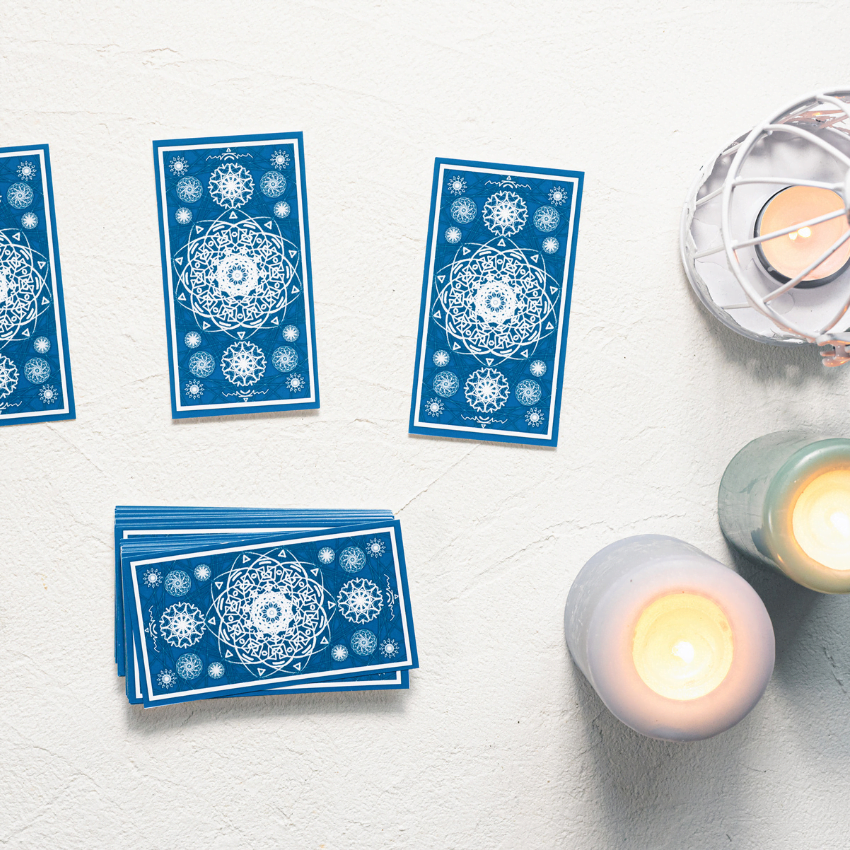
point(821, 519)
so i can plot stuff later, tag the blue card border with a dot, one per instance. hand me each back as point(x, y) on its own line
point(472, 432)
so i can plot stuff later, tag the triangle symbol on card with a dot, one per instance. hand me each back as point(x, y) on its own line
point(275, 321)
point(525, 354)
point(553, 290)
point(331, 604)
point(489, 361)
point(218, 585)
point(18, 237)
point(441, 277)
point(535, 258)
point(324, 641)
point(438, 314)
point(455, 346)
point(269, 225)
point(465, 251)
point(292, 253)
point(283, 554)
point(228, 654)
point(198, 228)
point(261, 671)
point(245, 559)
point(41, 264)
point(241, 334)
point(181, 296)
point(45, 301)
point(206, 325)
point(297, 666)
point(27, 332)
point(550, 326)
point(211, 621)
point(178, 260)
point(232, 216)
point(315, 572)
point(501, 243)
point(295, 290)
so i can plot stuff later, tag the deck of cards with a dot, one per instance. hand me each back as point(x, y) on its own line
point(221, 602)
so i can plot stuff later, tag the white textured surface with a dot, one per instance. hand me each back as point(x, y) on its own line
point(499, 743)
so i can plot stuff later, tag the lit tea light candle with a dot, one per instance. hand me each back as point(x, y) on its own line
point(677, 646)
point(791, 253)
point(785, 501)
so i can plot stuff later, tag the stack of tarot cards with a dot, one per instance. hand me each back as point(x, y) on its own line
point(220, 602)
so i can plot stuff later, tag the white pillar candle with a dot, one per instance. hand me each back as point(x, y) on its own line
point(677, 646)
point(784, 500)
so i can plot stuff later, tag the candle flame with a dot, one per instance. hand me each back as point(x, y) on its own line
point(842, 522)
point(684, 650)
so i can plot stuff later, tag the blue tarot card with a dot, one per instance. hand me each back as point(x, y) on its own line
point(495, 302)
point(35, 368)
point(236, 271)
point(324, 605)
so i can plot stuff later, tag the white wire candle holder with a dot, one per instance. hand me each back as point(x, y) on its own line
point(806, 144)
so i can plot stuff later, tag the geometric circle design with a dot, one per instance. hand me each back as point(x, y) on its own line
point(8, 376)
point(534, 417)
point(557, 195)
point(202, 364)
point(189, 190)
point(182, 625)
point(537, 368)
point(527, 392)
point(326, 555)
point(270, 614)
point(272, 184)
point(456, 185)
point(243, 364)
point(486, 390)
point(189, 666)
point(178, 166)
point(192, 339)
point(48, 394)
point(496, 302)
point(546, 219)
point(19, 196)
point(434, 407)
point(360, 600)
point(23, 286)
point(177, 583)
point(284, 359)
point(339, 652)
point(279, 160)
point(194, 389)
point(37, 370)
point(166, 679)
point(202, 572)
point(363, 642)
point(463, 210)
point(295, 383)
point(215, 670)
point(551, 245)
point(26, 170)
point(446, 384)
point(237, 273)
point(231, 186)
point(29, 220)
point(505, 213)
point(441, 359)
point(183, 215)
point(376, 547)
point(352, 559)
point(453, 235)
point(152, 577)
point(291, 333)
point(390, 648)
point(41, 344)
point(281, 209)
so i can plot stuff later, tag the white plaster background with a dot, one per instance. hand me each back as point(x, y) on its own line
point(499, 743)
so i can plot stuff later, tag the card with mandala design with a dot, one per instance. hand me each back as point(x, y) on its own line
point(35, 368)
point(300, 610)
point(495, 302)
point(236, 273)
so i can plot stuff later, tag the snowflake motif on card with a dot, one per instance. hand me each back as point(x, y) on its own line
point(237, 274)
point(37, 370)
point(496, 302)
point(446, 384)
point(243, 364)
point(339, 652)
point(352, 559)
point(192, 339)
point(24, 293)
point(537, 368)
point(326, 555)
point(48, 394)
point(178, 166)
point(551, 245)
point(166, 679)
point(363, 642)
point(8, 376)
point(534, 417)
point(26, 170)
point(41, 344)
point(505, 213)
point(441, 359)
point(202, 364)
point(434, 407)
point(152, 577)
point(546, 219)
point(486, 390)
point(271, 613)
point(291, 333)
point(194, 390)
point(231, 186)
point(182, 625)
point(456, 185)
point(29, 221)
point(463, 210)
point(189, 190)
point(296, 384)
point(281, 209)
point(272, 184)
point(189, 666)
point(360, 600)
point(215, 670)
point(284, 358)
point(390, 648)
point(527, 392)
point(177, 583)
point(557, 195)
point(183, 215)
point(279, 160)
point(453, 235)
point(19, 196)
point(376, 547)
point(202, 572)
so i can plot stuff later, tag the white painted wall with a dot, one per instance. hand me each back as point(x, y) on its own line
point(499, 743)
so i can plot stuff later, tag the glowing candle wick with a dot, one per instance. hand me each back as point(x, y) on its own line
point(684, 650)
point(842, 522)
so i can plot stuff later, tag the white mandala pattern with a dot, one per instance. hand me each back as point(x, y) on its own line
point(189, 190)
point(284, 358)
point(202, 572)
point(29, 221)
point(36, 370)
point(291, 333)
point(527, 392)
point(41, 344)
point(546, 219)
point(26, 170)
point(189, 666)
point(352, 559)
point(243, 364)
point(326, 555)
point(486, 390)
point(496, 302)
point(363, 642)
point(279, 160)
point(453, 235)
point(296, 384)
point(152, 577)
point(8, 376)
point(272, 184)
point(202, 364)
point(534, 417)
point(537, 368)
point(441, 359)
point(456, 185)
point(339, 652)
point(281, 209)
point(177, 583)
point(270, 613)
point(48, 394)
point(215, 670)
point(557, 195)
point(166, 679)
point(19, 196)
point(505, 213)
point(178, 166)
point(463, 210)
point(182, 625)
point(376, 547)
point(551, 245)
point(194, 390)
point(390, 648)
point(231, 186)
point(192, 339)
point(237, 274)
point(434, 407)
point(360, 600)
point(183, 215)
point(24, 293)
point(446, 384)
